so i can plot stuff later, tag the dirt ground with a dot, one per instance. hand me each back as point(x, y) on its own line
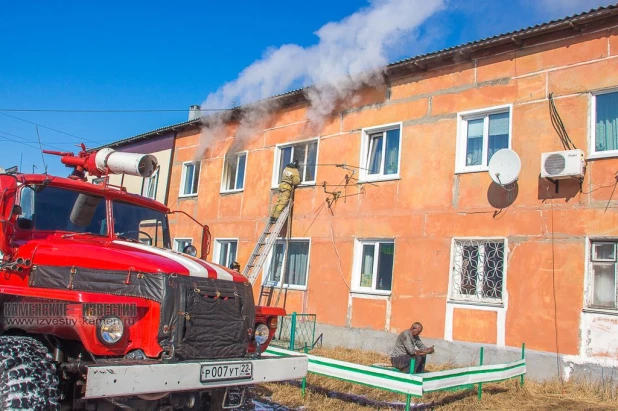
point(330, 394)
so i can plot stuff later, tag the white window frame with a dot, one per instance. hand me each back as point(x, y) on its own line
point(592, 127)
point(462, 136)
point(225, 175)
point(217, 248)
point(177, 240)
point(147, 182)
point(267, 263)
point(365, 149)
point(475, 299)
point(277, 163)
point(589, 277)
point(357, 266)
point(183, 177)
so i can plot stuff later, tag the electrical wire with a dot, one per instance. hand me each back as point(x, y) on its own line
point(556, 121)
point(332, 236)
point(52, 129)
point(31, 141)
point(610, 197)
point(553, 280)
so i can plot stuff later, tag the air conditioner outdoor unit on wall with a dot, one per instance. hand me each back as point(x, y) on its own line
point(563, 164)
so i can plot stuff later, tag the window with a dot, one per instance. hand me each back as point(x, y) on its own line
point(297, 264)
point(480, 135)
point(225, 252)
point(605, 124)
point(234, 173)
point(149, 185)
point(181, 243)
point(380, 153)
point(478, 270)
point(373, 266)
point(306, 153)
point(602, 287)
point(98, 181)
point(190, 179)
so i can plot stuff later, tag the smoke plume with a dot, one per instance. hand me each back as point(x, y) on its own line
point(351, 53)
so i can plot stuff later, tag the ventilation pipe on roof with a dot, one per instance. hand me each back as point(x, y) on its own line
point(194, 112)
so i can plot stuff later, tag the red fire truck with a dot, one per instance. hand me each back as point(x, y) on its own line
point(98, 313)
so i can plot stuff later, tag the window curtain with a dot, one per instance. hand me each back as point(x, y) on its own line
point(189, 172)
point(231, 173)
point(385, 266)
point(297, 263)
point(240, 175)
point(391, 161)
point(276, 263)
point(375, 154)
point(498, 133)
point(312, 156)
point(474, 145)
point(366, 276)
point(606, 136)
point(604, 285)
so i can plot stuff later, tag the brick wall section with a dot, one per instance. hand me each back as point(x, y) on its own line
point(430, 204)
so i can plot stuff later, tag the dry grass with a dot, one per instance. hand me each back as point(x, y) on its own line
point(506, 395)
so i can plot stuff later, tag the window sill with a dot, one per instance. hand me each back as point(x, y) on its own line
point(602, 155)
point(180, 197)
point(287, 287)
point(472, 170)
point(228, 192)
point(476, 303)
point(605, 311)
point(370, 293)
point(365, 179)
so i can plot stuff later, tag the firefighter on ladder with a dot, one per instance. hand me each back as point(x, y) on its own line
point(289, 180)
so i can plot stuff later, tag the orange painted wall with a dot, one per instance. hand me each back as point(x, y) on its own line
point(430, 205)
point(474, 326)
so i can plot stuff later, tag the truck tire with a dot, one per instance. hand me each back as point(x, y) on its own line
point(28, 377)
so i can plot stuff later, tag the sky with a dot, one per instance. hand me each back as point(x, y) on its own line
point(97, 72)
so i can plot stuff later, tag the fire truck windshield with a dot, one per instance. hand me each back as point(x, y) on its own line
point(48, 208)
point(57, 209)
point(137, 223)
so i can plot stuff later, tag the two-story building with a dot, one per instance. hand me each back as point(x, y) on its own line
point(397, 219)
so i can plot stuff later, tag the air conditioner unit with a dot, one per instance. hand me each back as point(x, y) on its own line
point(563, 164)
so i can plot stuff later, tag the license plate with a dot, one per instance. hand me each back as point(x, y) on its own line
point(222, 372)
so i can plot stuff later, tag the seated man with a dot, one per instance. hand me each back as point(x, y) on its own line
point(408, 346)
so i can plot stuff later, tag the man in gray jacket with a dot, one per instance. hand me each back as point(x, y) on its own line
point(408, 346)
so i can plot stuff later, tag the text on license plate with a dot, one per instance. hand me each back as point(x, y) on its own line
point(219, 372)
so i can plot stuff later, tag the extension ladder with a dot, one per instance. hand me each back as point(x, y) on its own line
point(265, 244)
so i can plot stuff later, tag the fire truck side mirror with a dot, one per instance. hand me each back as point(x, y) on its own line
point(8, 191)
point(205, 242)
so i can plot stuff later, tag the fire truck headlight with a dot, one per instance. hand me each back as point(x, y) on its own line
point(190, 250)
point(110, 330)
point(261, 334)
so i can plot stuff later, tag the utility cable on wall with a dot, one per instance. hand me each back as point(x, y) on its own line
point(556, 121)
point(553, 279)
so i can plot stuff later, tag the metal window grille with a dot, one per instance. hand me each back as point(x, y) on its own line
point(478, 270)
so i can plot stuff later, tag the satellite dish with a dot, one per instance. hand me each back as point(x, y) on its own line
point(504, 167)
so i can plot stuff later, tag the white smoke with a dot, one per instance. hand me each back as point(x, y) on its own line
point(350, 53)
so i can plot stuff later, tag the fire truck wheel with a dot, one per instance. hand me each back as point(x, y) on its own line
point(28, 377)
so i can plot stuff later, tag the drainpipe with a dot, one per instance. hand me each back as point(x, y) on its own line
point(169, 171)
